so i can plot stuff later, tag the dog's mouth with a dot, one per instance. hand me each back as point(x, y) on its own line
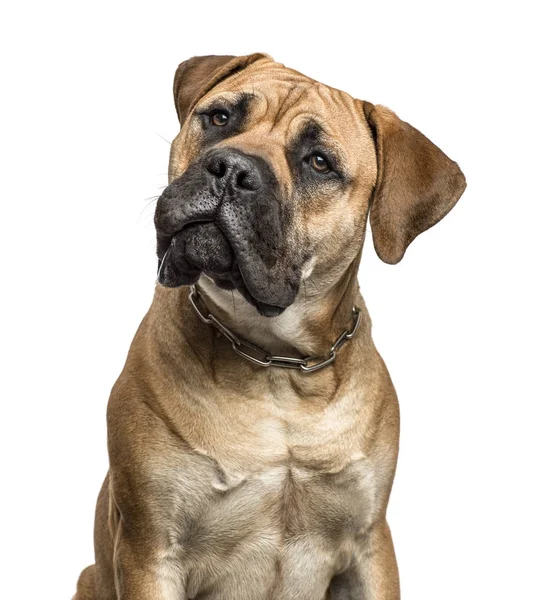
point(201, 247)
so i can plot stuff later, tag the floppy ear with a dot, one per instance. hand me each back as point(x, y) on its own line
point(196, 76)
point(417, 184)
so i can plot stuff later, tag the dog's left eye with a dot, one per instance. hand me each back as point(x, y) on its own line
point(219, 118)
point(319, 163)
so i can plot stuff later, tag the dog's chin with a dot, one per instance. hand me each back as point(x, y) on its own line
point(202, 248)
point(234, 281)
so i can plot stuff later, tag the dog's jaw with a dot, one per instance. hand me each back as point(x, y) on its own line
point(203, 248)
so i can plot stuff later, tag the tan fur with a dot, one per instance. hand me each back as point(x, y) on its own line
point(231, 481)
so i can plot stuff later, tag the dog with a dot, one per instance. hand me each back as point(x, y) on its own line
point(253, 433)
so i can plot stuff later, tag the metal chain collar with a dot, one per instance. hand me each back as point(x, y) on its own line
point(258, 356)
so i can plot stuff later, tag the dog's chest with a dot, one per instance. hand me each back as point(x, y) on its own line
point(295, 484)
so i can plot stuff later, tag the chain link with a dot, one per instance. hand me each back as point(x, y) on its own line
point(258, 356)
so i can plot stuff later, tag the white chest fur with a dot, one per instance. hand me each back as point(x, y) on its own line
point(284, 492)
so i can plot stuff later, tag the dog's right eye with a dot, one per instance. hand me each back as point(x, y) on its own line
point(219, 118)
point(319, 163)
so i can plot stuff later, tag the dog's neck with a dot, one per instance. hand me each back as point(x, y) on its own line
point(308, 327)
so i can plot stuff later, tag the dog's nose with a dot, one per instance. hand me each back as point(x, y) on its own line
point(234, 168)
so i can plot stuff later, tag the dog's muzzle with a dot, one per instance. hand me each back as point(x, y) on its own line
point(224, 217)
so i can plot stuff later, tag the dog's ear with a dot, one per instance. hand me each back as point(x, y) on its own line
point(196, 76)
point(417, 184)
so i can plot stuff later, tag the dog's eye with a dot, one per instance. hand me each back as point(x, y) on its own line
point(319, 163)
point(219, 118)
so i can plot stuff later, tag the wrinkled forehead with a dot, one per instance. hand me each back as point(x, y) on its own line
point(286, 103)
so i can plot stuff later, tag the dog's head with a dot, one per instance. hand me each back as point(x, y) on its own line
point(272, 177)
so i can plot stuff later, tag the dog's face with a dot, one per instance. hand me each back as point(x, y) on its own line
point(271, 178)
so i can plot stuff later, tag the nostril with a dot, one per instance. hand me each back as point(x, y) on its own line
point(247, 180)
point(217, 167)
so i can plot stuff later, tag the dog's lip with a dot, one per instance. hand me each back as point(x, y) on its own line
point(236, 276)
point(163, 259)
point(172, 236)
point(268, 310)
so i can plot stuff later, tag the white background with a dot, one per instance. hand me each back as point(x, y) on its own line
point(466, 323)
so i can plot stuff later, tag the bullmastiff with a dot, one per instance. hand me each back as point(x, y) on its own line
point(253, 432)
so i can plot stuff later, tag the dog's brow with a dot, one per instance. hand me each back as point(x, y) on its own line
point(231, 101)
point(312, 131)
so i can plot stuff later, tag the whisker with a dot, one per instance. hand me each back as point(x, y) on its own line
point(149, 204)
point(164, 139)
point(310, 280)
point(234, 307)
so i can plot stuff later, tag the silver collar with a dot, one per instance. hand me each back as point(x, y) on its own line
point(258, 356)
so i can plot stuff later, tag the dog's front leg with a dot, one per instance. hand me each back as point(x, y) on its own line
point(378, 581)
point(384, 571)
point(145, 465)
point(142, 573)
